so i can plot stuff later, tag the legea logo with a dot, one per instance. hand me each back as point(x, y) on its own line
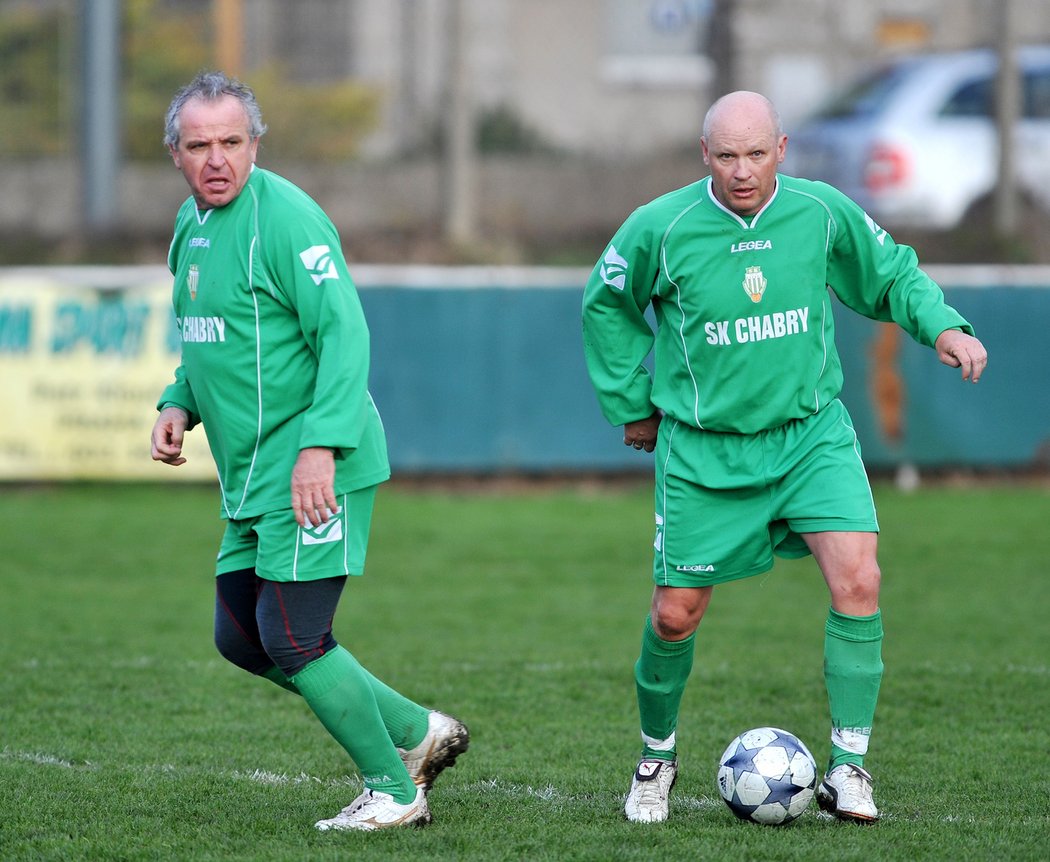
point(318, 261)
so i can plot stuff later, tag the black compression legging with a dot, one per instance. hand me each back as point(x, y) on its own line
point(260, 623)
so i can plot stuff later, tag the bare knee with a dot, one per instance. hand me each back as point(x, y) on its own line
point(676, 611)
point(849, 564)
point(855, 589)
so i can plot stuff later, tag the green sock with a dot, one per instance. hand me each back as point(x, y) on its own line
point(852, 674)
point(405, 721)
point(660, 675)
point(338, 691)
point(274, 675)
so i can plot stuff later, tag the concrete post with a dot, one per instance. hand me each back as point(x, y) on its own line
point(100, 149)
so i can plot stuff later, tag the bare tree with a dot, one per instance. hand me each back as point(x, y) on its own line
point(721, 47)
point(460, 157)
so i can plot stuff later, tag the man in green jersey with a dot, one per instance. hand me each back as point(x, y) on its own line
point(275, 367)
point(755, 454)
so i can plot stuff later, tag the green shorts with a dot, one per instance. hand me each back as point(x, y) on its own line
point(725, 503)
point(280, 550)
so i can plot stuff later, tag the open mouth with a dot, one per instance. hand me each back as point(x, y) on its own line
point(217, 184)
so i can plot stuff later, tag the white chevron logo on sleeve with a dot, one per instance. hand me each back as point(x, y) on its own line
point(614, 269)
point(318, 260)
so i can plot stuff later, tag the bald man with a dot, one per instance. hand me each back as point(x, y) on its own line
point(755, 454)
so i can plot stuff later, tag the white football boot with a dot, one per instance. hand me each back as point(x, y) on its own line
point(846, 793)
point(374, 809)
point(648, 800)
point(446, 740)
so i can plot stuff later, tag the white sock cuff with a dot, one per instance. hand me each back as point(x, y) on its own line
point(851, 739)
point(659, 744)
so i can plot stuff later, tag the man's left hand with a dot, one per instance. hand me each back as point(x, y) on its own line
point(959, 350)
point(313, 487)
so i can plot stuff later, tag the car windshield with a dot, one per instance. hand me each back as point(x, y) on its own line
point(865, 98)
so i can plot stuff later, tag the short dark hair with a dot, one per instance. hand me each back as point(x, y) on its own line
point(210, 87)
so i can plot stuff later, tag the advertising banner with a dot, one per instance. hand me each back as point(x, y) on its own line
point(84, 355)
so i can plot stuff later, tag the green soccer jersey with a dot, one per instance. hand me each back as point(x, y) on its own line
point(745, 336)
point(275, 348)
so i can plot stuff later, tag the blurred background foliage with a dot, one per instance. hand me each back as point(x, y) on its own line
point(35, 106)
point(323, 122)
point(163, 48)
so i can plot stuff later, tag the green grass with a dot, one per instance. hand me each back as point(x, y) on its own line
point(123, 735)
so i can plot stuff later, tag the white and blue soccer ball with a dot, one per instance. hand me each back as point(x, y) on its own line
point(767, 776)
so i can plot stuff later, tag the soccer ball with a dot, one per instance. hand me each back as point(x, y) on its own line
point(767, 776)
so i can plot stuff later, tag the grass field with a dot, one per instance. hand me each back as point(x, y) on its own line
point(123, 735)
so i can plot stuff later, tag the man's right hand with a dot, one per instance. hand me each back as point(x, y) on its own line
point(167, 436)
point(642, 434)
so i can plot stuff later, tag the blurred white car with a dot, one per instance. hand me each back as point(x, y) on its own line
point(915, 144)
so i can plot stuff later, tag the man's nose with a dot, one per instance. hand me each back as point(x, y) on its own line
point(216, 156)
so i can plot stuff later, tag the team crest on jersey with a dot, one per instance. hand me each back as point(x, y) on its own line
point(192, 280)
point(754, 283)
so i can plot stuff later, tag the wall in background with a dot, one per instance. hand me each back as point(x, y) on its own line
point(480, 370)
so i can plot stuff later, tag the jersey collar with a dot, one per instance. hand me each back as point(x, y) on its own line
point(202, 215)
point(744, 223)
